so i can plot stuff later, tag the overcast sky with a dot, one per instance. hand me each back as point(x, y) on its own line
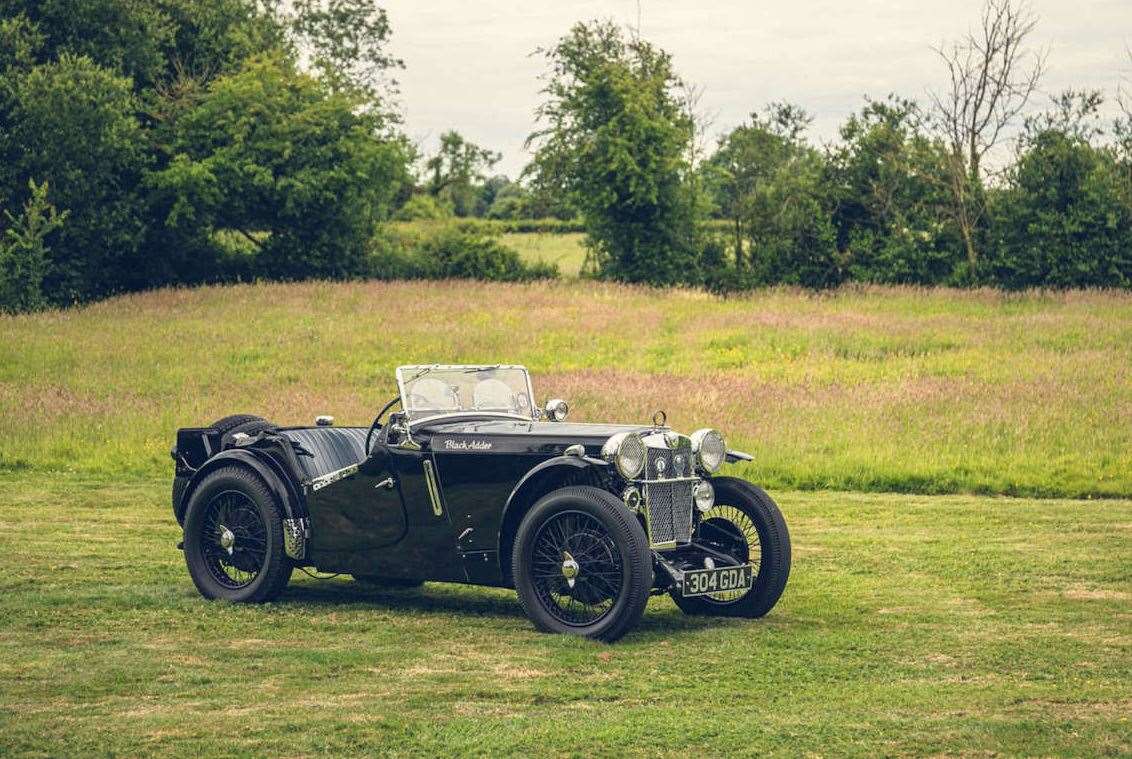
point(469, 64)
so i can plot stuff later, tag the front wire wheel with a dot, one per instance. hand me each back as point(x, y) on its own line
point(581, 564)
point(728, 529)
point(577, 572)
point(746, 524)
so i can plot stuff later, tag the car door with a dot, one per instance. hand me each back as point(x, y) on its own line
point(360, 512)
point(429, 547)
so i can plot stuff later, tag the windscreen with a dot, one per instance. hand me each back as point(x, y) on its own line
point(431, 390)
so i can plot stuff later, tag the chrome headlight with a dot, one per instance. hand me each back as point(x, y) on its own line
point(704, 495)
point(626, 451)
point(709, 449)
point(556, 410)
point(632, 498)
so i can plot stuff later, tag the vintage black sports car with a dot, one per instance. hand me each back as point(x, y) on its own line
point(470, 482)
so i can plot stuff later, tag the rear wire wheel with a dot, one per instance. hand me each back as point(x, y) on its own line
point(234, 538)
point(744, 523)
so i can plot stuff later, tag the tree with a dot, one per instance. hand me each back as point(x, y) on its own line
point(125, 37)
point(792, 238)
point(1063, 219)
point(74, 125)
point(235, 166)
point(614, 138)
point(24, 251)
point(746, 158)
point(991, 78)
point(456, 173)
point(887, 176)
point(347, 42)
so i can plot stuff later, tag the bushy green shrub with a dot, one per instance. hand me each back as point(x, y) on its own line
point(457, 251)
point(1063, 220)
point(75, 125)
point(422, 207)
point(793, 241)
point(269, 150)
point(887, 180)
point(904, 256)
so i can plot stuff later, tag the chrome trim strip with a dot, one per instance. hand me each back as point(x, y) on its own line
point(318, 483)
point(433, 490)
point(672, 479)
point(733, 456)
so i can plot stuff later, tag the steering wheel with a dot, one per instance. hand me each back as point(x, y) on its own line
point(377, 421)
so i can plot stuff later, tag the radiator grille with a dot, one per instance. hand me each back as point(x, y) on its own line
point(670, 511)
point(676, 463)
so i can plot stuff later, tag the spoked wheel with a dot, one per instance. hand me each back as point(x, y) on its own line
point(581, 564)
point(748, 526)
point(577, 571)
point(728, 529)
point(234, 538)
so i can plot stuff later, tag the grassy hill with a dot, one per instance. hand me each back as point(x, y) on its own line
point(873, 389)
point(913, 624)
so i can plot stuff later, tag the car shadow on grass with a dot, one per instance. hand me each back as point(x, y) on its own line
point(439, 598)
point(660, 619)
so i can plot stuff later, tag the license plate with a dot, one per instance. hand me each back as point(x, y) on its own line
point(700, 582)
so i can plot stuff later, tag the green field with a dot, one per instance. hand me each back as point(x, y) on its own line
point(912, 625)
point(876, 390)
point(565, 251)
point(956, 624)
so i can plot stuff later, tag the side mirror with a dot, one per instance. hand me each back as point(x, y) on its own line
point(556, 410)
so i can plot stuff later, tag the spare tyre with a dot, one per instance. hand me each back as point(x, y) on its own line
point(248, 424)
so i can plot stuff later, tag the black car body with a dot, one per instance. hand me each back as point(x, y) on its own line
point(446, 490)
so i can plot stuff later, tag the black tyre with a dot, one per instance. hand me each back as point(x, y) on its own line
point(581, 564)
point(235, 420)
point(387, 582)
point(746, 523)
point(234, 538)
point(249, 424)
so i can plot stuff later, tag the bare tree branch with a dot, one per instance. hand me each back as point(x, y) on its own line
point(991, 78)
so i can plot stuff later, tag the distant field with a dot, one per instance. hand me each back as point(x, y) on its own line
point(944, 626)
point(565, 250)
point(876, 389)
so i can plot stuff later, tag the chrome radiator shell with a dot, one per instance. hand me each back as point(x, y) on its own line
point(666, 486)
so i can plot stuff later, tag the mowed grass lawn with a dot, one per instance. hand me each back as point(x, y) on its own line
point(956, 624)
point(953, 625)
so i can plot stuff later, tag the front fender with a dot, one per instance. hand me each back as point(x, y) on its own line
point(270, 471)
point(525, 491)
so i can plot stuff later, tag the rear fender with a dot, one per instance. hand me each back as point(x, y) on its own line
point(273, 474)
